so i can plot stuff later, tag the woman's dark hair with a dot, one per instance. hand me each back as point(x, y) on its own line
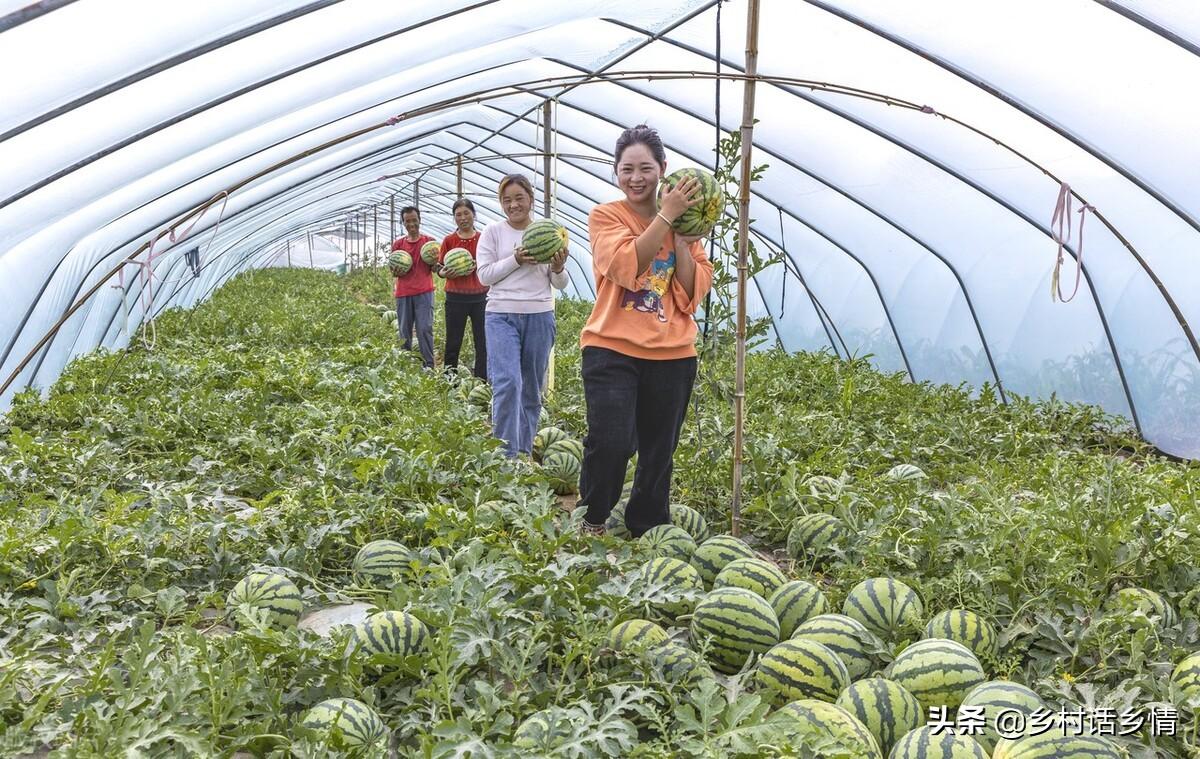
point(410, 209)
point(641, 135)
point(462, 203)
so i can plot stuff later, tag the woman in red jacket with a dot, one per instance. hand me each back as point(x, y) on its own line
point(466, 297)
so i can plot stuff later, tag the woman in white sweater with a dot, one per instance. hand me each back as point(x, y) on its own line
point(520, 317)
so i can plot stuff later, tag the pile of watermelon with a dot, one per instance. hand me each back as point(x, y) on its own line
point(561, 457)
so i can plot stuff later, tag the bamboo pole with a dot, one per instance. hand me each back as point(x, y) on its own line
point(392, 220)
point(458, 175)
point(374, 235)
point(739, 393)
point(546, 199)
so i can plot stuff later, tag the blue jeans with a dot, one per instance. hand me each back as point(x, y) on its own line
point(518, 352)
point(417, 311)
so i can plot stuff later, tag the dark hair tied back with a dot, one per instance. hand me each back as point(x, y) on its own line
point(641, 135)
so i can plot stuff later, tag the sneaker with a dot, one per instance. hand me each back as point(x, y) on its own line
point(587, 528)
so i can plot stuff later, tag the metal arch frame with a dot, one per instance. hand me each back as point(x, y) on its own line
point(163, 65)
point(1150, 25)
point(1012, 101)
point(970, 183)
point(183, 116)
point(30, 12)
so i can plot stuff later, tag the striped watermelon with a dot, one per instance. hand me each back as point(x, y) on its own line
point(887, 709)
point(680, 664)
point(812, 717)
point(430, 252)
point(347, 721)
point(795, 602)
point(392, 632)
point(544, 437)
point(380, 560)
point(458, 263)
point(1186, 676)
point(933, 743)
point(996, 697)
point(567, 445)
point(712, 555)
point(846, 637)
point(669, 540)
point(635, 635)
point(965, 627)
point(400, 261)
point(1054, 745)
point(737, 624)
point(562, 471)
point(269, 592)
point(543, 239)
point(884, 605)
point(480, 396)
point(797, 669)
point(702, 217)
point(812, 536)
point(753, 574)
point(690, 520)
point(937, 671)
point(675, 575)
point(1147, 602)
point(615, 525)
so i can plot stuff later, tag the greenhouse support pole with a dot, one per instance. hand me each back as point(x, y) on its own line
point(289, 253)
point(374, 235)
point(458, 176)
point(743, 249)
point(391, 220)
point(546, 142)
point(310, 258)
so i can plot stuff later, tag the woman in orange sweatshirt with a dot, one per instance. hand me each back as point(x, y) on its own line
point(639, 344)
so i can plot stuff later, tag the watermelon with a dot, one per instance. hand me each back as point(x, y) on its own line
point(845, 636)
point(737, 624)
point(690, 520)
point(680, 664)
point(669, 540)
point(676, 575)
point(933, 743)
point(887, 709)
point(699, 220)
point(569, 446)
point(965, 627)
point(812, 717)
point(635, 635)
point(1186, 676)
point(937, 671)
point(796, 669)
point(400, 261)
point(754, 574)
point(544, 437)
point(884, 605)
point(430, 252)
point(615, 524)
point(458, 263)
point(712, 555)
point(795, 602)
point(1055, 745)
point(392, 632)
point(480, 396)
point(811, 536)
point(562, 471)
point(543, 239)
point(1147, 602)
point(996, 697)
point(271, 593)
point(380, 559)
point(348, 721)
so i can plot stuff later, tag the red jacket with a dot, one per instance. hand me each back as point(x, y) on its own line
point(470, 284)
point(419, 278)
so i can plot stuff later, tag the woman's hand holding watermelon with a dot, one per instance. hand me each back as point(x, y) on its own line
point(523, 257)
point(559, 261)
point(675, 200)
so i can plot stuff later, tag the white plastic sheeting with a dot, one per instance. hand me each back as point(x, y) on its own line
point(915, 238)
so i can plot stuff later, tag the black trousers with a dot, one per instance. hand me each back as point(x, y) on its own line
point(633, 404)
point(459, 308)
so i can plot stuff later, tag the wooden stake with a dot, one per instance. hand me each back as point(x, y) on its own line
point(458, 176)
point(546, 143)
point(739, 393)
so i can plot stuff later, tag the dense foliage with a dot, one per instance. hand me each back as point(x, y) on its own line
point(279, 425)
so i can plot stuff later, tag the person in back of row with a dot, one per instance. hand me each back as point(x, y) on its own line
point(414, 289)
point(466, 297)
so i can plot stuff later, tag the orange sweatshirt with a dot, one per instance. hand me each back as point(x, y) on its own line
point(644, 314)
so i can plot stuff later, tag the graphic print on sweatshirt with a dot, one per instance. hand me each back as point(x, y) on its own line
point(654, 288)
